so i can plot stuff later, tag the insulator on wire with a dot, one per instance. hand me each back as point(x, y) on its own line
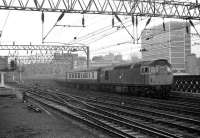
point(136, 21)
point(133, 20)
point(118, 18)
point(148, 21)
point(163, 25)
point(61, 16)
point(83, 21)
point(191, 23)
point(113, 22)
point(42, 17)
point(187, 28)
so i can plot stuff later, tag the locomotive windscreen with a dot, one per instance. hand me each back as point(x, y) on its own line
point(160, 62)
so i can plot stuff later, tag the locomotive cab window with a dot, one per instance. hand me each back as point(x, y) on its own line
point(169, 69)
point(70, 75)
point(144, 70)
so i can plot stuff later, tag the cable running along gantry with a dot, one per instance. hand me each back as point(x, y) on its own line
point(153, 8)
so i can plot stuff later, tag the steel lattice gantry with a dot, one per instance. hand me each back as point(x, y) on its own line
point(153, 8)
point(44, 47)
point(54, 48)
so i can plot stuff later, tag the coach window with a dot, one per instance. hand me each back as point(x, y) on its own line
point(153, 70)
point(142, 70)
point(78, 75)
point(106, 75)
point(146, 69)
point(92, 74)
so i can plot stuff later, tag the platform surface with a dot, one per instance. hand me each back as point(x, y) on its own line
point(17, 121)
point(7, 91)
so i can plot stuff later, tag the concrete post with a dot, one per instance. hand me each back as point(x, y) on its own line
point(88, 57)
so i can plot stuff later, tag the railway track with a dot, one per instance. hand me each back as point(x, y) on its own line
point(150, 117)
point(110, 122)
point(173, 106)
point(171, 122)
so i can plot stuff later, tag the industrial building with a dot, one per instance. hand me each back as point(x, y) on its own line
point(171, 41)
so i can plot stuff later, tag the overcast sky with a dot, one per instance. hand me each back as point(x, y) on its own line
point(24, 27)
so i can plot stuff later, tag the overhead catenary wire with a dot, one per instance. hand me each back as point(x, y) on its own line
point(90, 24)
point(105, 35)
point(147, 23)
point(113, 45)
point(190, 21)
point(92, 39)
point(6, 20)
point(93, 34)
point(59, 18)
point(117, 17)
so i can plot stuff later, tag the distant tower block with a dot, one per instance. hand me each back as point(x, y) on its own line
point(171, 42)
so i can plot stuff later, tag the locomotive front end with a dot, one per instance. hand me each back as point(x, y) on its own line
point(161, 76)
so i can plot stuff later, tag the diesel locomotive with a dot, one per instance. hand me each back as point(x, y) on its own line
point(145, 78)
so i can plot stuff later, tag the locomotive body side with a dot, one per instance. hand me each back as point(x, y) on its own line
point(142, 78)
point(124, 74)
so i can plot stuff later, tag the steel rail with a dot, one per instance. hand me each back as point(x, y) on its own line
point(153, 131)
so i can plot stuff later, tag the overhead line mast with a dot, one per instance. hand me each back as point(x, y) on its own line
point(152, 8)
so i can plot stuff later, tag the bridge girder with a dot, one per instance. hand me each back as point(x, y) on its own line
point(153, 8)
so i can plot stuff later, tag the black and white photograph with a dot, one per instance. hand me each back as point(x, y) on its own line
point(99, 68)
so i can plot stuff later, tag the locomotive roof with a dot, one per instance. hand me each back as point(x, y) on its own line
point(83, 70)
point(131, 65)
point(143, 63)
point(127, 66)
point(160, 62)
